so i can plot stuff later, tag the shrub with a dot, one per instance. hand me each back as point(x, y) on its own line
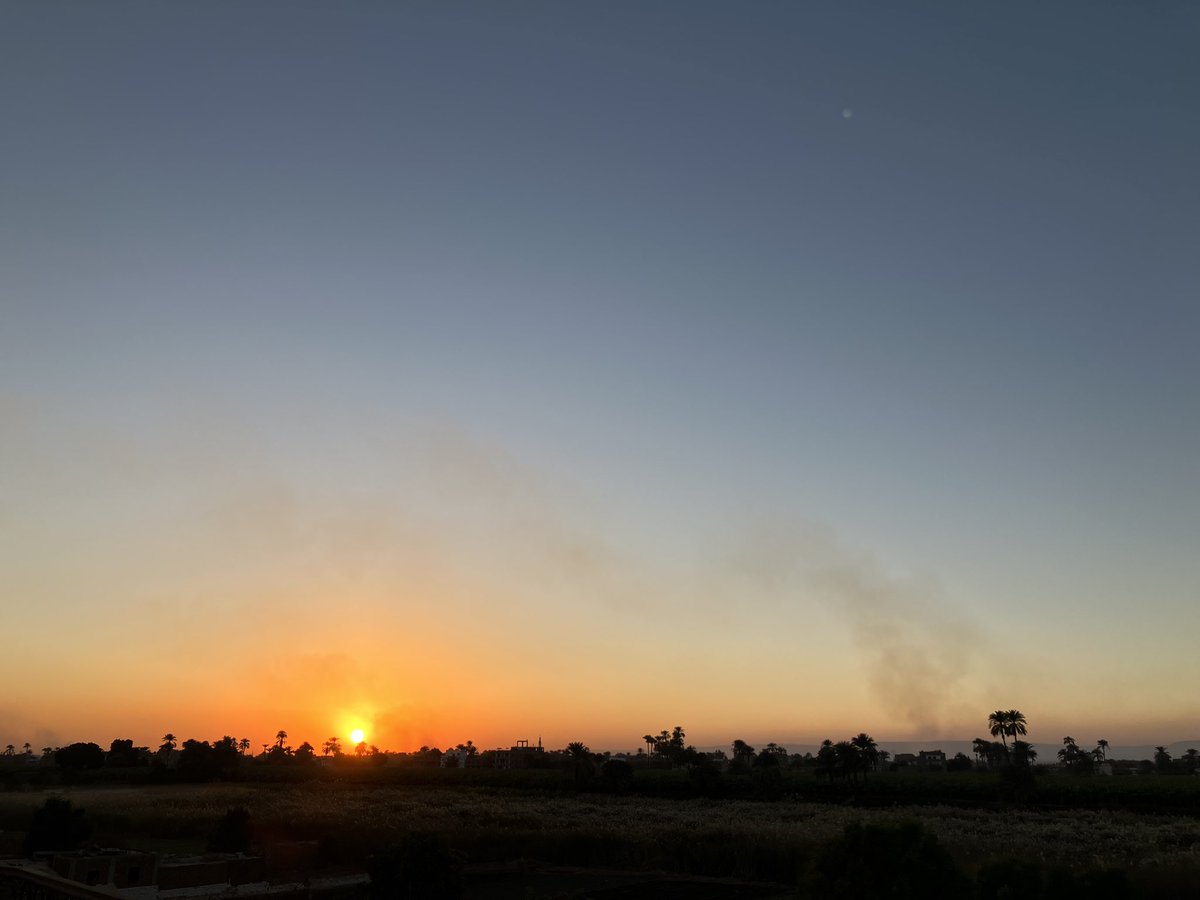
point(57, 826)
point(617, 776)
point(420, 866)
point(898, 862)
point(232, 834)
point(705, 780)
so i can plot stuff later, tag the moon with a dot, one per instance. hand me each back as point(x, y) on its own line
point(357, 736)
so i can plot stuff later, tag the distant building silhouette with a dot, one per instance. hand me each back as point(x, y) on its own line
point(520, 756)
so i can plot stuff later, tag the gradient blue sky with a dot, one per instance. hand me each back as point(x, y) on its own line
point(480, 370)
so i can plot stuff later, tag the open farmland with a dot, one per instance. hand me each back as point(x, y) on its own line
point(742, 838)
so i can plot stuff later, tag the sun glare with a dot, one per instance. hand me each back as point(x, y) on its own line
point(357, 736)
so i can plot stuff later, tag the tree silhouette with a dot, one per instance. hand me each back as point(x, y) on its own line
point(169, 742)
point(1162, 760)
point(1006, 723)
point(649, 739)
point(849, 760)
point(868, 748)
point(280, 737)
point(244, 745)
point(981, 748)
point(827, 759)
point(1023, 754)
point(1016, 723)
point(742, 752)
point(1190, 759)
point(333, 745)
point(1102, 746)
point(998, 726)
point(9, 750)
point(581, 761)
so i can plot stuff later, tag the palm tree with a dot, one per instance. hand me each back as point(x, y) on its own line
point(827, 759)
point(1190, 759)
point(1007, 723)
point(742, 752)
point(998, 726)
point(580, 757)
point(169, 741)
point(333, 745)
point(244, 745)
point(869, 749)
point(849, 760)
point(982, 749)
point(27, 749)
point(1016, 723)
point(649, 739)
point(1102, 746)
point(280, 737)
point(9, 750)
point(1023, 754)
point(1162, 759)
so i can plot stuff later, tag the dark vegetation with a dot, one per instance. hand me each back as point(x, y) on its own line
point(763, 815)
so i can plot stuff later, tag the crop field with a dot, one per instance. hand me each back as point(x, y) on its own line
point(764, 840)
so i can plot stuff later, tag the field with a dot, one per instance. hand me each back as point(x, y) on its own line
point(765, 840)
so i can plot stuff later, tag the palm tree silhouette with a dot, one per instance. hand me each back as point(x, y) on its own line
point(1007, 723)
point(333, 745)
point(827, 759)
point(849, 760)
point(742, 751)
point(280, 737)
point(869, 749)
point(1023, 754)
point(981, 747)
point(579, 757)
point(998, 726)
point(1162, 759)
point(244, 745)
point(649, 739)
point(9, 750)
point(169, 741)
point(1102, 746)
point(1016, 723)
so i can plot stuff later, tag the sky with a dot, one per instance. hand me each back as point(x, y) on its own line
point(577, 370)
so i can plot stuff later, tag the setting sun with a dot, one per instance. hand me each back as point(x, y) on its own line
point(357, 736)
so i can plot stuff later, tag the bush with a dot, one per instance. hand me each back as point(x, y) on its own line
point(617, 776)
point(232, 834)
point(421, 866)
point(57, 826)
point(897, 862)
point(705, 780)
